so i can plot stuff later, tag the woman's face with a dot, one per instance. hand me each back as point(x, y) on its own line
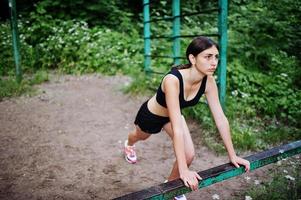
point(206, 61)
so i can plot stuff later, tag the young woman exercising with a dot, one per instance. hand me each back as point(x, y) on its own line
point(182, 87)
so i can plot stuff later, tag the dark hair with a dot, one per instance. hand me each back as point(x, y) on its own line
point(196, 46)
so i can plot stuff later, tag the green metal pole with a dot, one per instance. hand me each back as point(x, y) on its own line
point(147, 40)
point(176, 31)
point(222, 29)
point(16, 43)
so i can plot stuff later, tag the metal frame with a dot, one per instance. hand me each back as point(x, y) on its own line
point(176, 35)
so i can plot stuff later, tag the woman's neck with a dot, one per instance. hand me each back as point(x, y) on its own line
point(194, 76)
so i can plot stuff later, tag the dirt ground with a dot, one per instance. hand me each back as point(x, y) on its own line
point(66, 143)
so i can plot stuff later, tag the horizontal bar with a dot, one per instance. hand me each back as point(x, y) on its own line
point(158, 37)
point(159, 56)
point(199, 12)
point(158, 19)
point(181, 15)
point(145, 4)
point(164, 56)
point(182, 36)
point(217, 174)
point(191, 36)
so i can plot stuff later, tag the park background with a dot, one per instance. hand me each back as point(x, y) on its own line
point(263, 101)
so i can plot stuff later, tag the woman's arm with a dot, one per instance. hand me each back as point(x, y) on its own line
point(171, 90)
point(222, 123)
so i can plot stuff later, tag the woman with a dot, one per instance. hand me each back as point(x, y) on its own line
point(182, 87)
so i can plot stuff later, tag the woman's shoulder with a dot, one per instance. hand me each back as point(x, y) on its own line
point(210, 83)
point(172, 75)
point(170, 79)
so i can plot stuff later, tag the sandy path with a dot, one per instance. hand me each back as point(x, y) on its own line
point(65, 143)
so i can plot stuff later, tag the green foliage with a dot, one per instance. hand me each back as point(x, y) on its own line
point(285, 183)
point(264, 99)
point(74, 48)
point(105, 12)
point(39, 77)
point(110, 52)
point(10, 88)
point(269, 94)
point(141, 85)
point(6, 51)
point(265, 35)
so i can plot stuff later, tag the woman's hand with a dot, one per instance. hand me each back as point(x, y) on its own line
point(240, 161)
point(190, 179)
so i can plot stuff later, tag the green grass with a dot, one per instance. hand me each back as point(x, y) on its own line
point(10, 88)
point(285, 183)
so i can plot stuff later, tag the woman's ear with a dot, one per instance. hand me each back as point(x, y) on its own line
point(192, 59)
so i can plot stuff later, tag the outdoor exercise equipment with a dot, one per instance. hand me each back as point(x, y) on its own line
point(222, 11)
point(217, 174)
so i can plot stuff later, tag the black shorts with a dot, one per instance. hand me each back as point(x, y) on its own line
point(149, 122)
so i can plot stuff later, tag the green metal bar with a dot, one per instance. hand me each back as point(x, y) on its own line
point(147, 40)
point(159, 37)
point(216, 174)
point(222, 69)
point(201, 34)
point(160, 19)
point(16, 42)
point(176, 31)
point(207, 11)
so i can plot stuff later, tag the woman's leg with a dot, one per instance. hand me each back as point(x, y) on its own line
point(136, 135)
point(129, 148)
point(189, 148)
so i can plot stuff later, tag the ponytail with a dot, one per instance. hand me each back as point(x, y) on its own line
point(182, 66)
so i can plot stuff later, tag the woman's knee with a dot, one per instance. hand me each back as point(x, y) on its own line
point(189, 157)
point(139, 134)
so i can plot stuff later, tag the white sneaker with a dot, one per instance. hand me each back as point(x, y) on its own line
point(180, 197)
point(129, 153)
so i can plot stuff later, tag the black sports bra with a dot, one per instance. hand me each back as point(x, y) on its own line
point(160, 97)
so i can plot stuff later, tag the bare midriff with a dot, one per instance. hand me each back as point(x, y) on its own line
point(155, 108)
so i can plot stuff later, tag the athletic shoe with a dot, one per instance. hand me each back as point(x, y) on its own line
point(180, 197)
point(129, 153)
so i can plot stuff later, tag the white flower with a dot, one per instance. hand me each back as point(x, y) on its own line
point(285, 171)
point(244, 95)
point(247, 178)
point(290, 177)
point(281, 151)
point(283, 74)
point(215, 196)
point(234, 93)
point(256, 182)
point(248, 198)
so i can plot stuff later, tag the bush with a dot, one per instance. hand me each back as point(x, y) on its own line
point(267, 94)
